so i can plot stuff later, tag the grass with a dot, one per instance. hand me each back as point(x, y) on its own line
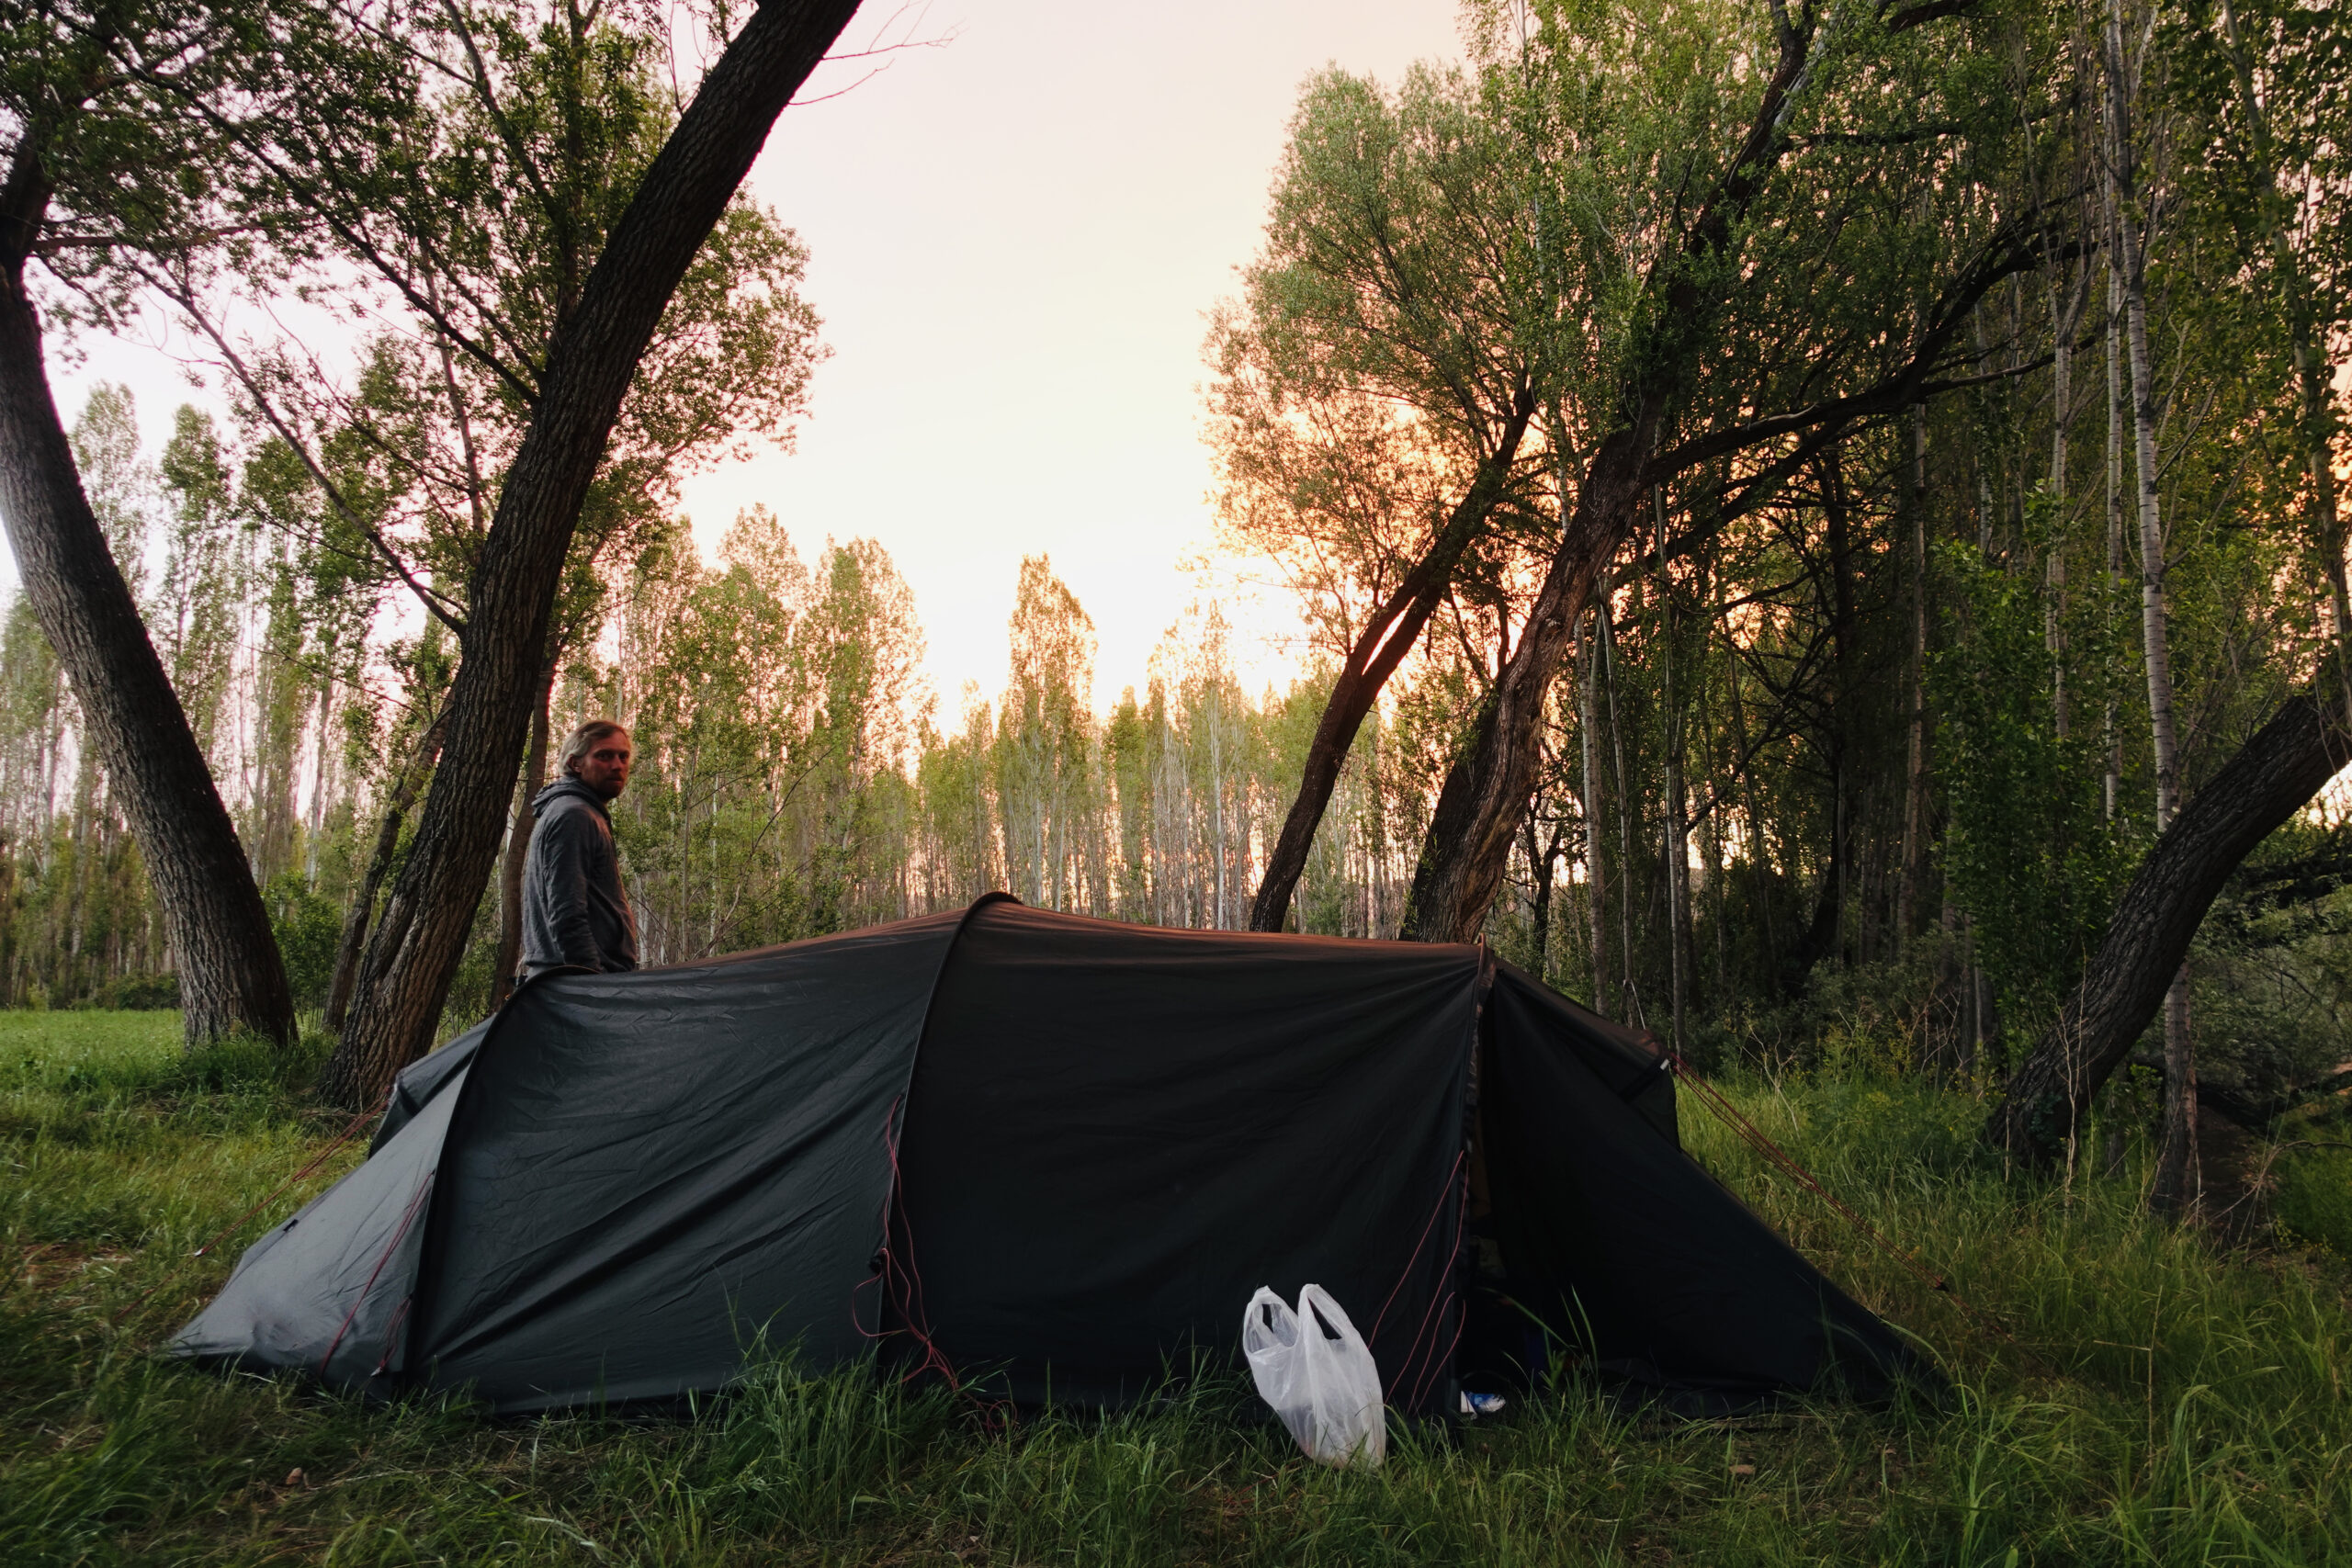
point(2164, 1401)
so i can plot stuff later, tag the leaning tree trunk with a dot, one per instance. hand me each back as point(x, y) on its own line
point(2272, 776)
point(405, 980)
point(1468, 844)
point(1382, 644)
point(232, 977)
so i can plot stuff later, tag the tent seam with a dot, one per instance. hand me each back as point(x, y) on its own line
point(428, 1277)
point(894, 1124)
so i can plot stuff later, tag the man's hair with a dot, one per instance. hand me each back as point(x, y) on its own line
point(583, 740)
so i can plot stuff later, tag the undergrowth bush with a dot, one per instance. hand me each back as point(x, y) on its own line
point(2161, 1401)
point(2313, 1198)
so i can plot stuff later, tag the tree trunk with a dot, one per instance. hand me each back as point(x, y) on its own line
point(2176, 1186)
point(518, 846)
point(2054, 611)
point(2272, 776)
point(232, 977)
point(1915, 775)
point(316, 826)
point(2114, 737)
point(351, 947)
point(1596, 873)
point(1378, 649)
point(1676, 846)
point(1541, 862)
point(1842, 639)
point(410, 964)
point(1478, 807)
point(1710, 846)
point(1629, 992)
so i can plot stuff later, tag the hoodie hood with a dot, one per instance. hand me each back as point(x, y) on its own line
point(567, 787)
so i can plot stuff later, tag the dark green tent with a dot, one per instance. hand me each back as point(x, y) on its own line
point(1054, 1156)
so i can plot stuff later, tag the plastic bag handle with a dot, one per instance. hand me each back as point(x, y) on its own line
point(1267, 1323)
point(1318, 1300)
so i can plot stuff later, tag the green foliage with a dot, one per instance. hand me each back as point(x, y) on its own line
point(2029, 855)
point(141, 993)
point(776, 708)
point(2273, 968)
point(309, 929)
point(2191, 1408)
point(2314, 1200)
point(1045, 761)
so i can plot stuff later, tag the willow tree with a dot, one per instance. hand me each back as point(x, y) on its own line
point(1796, 252)
point(1376, 384)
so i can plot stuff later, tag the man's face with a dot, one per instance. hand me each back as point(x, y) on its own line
point(605, 767)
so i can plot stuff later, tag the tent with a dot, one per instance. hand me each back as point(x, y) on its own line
point(1045, 1156)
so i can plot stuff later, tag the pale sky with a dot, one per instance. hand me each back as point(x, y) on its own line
point(1015, 238)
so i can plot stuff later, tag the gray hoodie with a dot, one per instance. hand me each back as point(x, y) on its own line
point(573, 910)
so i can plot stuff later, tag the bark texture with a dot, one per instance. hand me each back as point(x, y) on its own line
point(231, 978)
point(404, 981)
point(2176, 1186)
point(2271, 777)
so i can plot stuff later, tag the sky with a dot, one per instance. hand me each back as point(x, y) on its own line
point(1016, 230)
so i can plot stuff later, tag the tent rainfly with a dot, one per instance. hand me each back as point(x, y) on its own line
point(1045, 1156)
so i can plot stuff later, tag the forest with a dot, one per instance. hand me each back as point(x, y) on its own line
point(1815, 529)
point(1773, 565)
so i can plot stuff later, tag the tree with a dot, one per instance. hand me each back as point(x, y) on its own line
point(592, 354)
point(1376, 386)
point(521, 132)
point(1731, 319)
point(2272, 776)
point(775, 706)
point(2131, 217)
point(1043, 754)
point(97, 147)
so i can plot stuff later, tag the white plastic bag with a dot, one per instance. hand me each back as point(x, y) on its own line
point(1316, 1371)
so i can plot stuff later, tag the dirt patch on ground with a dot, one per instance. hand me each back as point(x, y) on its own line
point(51, 1268)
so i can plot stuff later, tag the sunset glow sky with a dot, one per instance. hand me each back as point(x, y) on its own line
point(1015, 237)
point(1014, 240)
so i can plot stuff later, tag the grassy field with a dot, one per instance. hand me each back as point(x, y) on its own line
point(2167, 1401)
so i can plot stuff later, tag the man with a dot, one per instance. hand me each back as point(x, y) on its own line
point(574, 913)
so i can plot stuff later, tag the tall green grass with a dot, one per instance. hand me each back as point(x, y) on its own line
point(2162, 1401)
